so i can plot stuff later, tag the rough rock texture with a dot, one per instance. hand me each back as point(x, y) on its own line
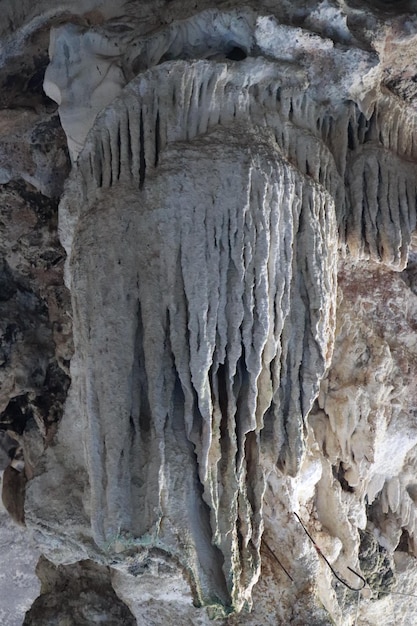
point(19, 585)
point(81, 594)
point(239, 307)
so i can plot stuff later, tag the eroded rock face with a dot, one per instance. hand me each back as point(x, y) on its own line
point(81, 594)
point(238, 226)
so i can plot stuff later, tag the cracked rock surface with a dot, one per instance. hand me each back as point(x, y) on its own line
point(208, 308)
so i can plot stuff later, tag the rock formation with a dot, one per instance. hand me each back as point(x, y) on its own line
point(214, 391)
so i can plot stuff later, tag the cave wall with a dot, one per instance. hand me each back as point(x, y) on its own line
point(207, 305)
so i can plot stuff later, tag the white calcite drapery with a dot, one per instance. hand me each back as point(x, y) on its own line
point(203, 314)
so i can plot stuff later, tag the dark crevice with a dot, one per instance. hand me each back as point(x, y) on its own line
point(236, 54)
point(107, 138)
point(267, 434)
point(102, 160)
point(233, 53)
point(98, 168)
point(329, 129)
point(44, 207)
point(351, 136)
point(157, 139)
point(142, 160)
point(90, 163)
point(285, 397)
point(404, 543)
point(223, 405)
point(119, 149)
point(363, 209)
point(362, 125)
point(200, 94)
point(143, 409)
point(371, 129)
point(69, 593)
point(252, 465)
point(138, 65)
point(49, 404)
point(129, 144)
point(240, 392)
point(132, 426)
point(8, 286)
point(21, 81)
point(339, 474)
point(16, 414)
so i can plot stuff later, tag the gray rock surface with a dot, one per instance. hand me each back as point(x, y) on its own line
point(19, 585)
point(80, 594)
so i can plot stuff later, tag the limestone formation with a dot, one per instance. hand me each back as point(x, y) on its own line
point(64, 586)
point(237, 211)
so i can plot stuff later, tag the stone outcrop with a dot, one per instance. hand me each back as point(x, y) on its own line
point(81, 594)
point(219, 361)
